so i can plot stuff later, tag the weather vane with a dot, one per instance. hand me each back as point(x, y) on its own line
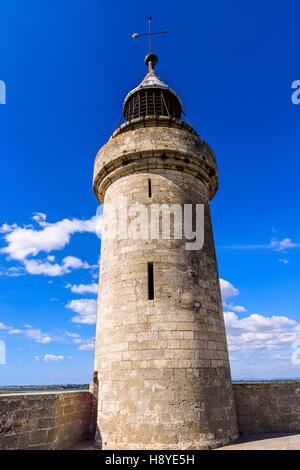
point(137, 35)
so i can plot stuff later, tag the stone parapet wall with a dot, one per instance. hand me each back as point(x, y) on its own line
point(59, 420)
point(267, 407)
point(54, 420)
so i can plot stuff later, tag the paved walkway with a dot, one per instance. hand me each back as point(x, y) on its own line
point(247, 442)
point(266, 442)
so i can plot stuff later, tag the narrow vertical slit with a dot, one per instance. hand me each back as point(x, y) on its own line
point(149, 188)
point(150, 282)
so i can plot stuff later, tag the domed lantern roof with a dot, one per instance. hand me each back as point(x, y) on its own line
point(152, 97)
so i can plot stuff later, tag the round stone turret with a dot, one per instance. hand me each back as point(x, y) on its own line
point(161, 355)
point(154, 143)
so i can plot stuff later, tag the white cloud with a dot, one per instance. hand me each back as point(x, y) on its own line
point(44, 267)
point(86, 308)
point(89, 346)
point(25, 241)
point(83, 288)
point(86, 344)
point(275, 244)
point(72, 335)
point(257, 332)
point(283, 245)
point(75, 263)
point(233, 358)
point(52, 358)
point(235, 308)
point(22, 241)
point(15, 271)
point(3, 327)
point(256, 322)
point(37, 335)
point(275, 357)
point(284, 261)
point(39, 217)
point(227, 289)
point(32, 333)
point(5, 228)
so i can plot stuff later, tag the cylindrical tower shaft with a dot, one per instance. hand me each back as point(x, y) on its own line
point(161, 352)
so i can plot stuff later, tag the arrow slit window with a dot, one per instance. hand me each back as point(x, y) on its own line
point(150, 282)
point(149, 188)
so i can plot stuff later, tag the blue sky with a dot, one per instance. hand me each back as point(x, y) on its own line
point(67, 68)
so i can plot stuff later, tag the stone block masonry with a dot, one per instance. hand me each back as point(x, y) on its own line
point(267, 407)
point(61, 420)
point(161, 353)
point(46, 421)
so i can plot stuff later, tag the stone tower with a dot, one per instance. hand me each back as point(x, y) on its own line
point(161, 356)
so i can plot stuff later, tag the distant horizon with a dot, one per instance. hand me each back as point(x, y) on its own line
point(87, 384)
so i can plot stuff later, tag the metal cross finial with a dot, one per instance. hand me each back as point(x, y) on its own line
point(137, 35)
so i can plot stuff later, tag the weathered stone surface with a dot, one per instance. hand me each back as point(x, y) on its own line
point(155, 146)
point(162, 364)
point(267, 407)
point(46, 420)
point(261, 408)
